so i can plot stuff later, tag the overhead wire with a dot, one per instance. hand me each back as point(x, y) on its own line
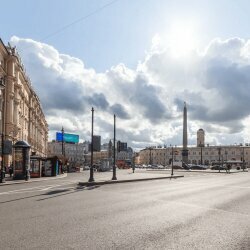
point(79, 20)
point(76, 21)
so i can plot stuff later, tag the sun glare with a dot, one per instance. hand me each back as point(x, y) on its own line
point(182, 39)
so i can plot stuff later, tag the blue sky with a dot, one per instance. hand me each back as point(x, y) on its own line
point(140, 60)
point(123, 31)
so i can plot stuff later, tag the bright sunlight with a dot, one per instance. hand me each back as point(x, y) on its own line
point(182, 39)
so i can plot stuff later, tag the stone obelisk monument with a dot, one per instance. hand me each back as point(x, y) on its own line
point(185, 140)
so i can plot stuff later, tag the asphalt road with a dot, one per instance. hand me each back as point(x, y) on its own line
point(199, 211)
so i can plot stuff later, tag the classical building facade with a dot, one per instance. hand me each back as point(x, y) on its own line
point(22, 117)
point(74, 153)
point(196, 155)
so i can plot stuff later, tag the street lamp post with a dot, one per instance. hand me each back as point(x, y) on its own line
point(91, 177)
point(63, 149)
point(150, 156)
point(243, 160)
point(62, 141)
point(114, 167)
point(201, 155)
point(2, 87)
point(219, 151)
point(133, 159)
point(172, 170)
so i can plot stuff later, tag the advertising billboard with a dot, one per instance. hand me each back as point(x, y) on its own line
point(97, 143)
point(71, 138)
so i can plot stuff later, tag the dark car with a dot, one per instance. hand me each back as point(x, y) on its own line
point(198, 167)
point(177, 167)
point(218, 167)
point(186, 166)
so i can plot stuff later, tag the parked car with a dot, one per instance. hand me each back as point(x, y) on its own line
point(218, 167)
point(160, 166)
point(154, 166)
point(176, 167)
point(85, 167)
point(187, 166)
point(198, 167)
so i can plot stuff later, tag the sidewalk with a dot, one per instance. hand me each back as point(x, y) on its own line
point(232, 171)
point(127, 176)
point(10, 181)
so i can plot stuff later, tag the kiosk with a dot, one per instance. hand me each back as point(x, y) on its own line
point(52, 166)
point(36, 166)
point(22, 161)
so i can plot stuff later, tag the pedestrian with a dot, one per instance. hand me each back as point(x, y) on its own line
point(11, 171)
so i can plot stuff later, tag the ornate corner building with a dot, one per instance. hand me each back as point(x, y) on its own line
point(22, 117)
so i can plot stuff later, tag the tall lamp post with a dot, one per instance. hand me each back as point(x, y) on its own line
point(172, 170)
point(2, 87)
point(91, 177)
point(201, 155)
point(150, 156)
point(114, 167)
point(63, 141)
point(219, 152)
point(63, 148)
point(243, 159)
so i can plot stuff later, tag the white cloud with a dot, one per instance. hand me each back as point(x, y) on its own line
point(148, 100)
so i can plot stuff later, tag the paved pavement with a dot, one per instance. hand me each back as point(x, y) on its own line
point(122, 176)
point(101, 178)
point(10, 181)
point(200, 211)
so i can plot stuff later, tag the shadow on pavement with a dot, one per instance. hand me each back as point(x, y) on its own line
point(54, 193)
point(62, 192)
point(18, 199)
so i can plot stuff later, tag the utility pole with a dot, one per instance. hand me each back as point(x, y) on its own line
point(91, 177)
point(201, 155)
point(243, 159)
point(114, 166)
point(172, 170)
point(219, 151)
point(63, 153)
point(2, 87)
point(150, 156)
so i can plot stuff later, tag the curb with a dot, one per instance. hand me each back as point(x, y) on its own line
point(199, 171)
point(123, 181)
point(31, 181)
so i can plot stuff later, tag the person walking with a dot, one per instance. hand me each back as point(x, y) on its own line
point(10, 171)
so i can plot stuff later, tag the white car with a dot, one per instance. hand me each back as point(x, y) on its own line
point(86, 168)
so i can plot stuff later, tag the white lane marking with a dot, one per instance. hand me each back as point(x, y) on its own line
point(38, 189)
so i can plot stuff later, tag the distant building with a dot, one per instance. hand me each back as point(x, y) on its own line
point(107, 152)
point(74, 153)
point(125, 155)
point(122, 146)
point(200, 138)
point(201, 154)
point(98, 156)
